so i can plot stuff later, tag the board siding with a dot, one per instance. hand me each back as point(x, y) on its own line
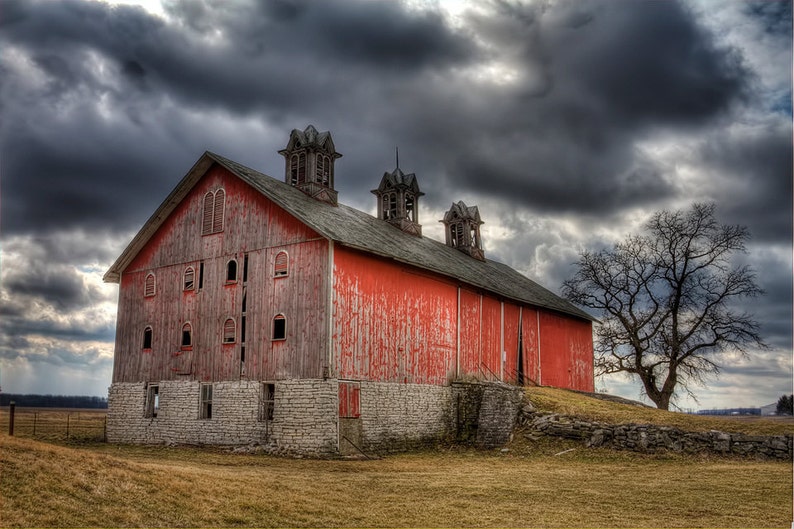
point(255, 226)
point(566, 352)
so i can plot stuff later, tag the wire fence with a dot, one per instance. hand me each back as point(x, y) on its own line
point(56, 424)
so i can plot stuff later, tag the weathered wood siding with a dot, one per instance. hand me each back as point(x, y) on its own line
point(530, 354)
point(566, 352)
point(392, 323)
point(254, 228)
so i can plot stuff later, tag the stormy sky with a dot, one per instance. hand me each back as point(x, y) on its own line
point(568, 123)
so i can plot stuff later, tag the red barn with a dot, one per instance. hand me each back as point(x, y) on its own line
point(253, 310)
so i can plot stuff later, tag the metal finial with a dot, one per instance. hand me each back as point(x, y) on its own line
point(397, 156)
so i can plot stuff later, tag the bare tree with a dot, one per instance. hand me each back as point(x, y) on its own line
point(667, 301)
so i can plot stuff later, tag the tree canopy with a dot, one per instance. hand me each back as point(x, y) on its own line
point(666, 299)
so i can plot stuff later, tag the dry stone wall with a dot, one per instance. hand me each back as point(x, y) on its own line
point(651, 438)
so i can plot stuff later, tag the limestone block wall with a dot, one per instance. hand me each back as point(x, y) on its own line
point(304, 415)
point(402, 416)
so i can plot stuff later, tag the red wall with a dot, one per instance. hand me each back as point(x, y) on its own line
point(392, 324)
point(566, 352)
point(395, 324)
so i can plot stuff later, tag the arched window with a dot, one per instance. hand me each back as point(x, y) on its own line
point(229, 330)
point(209, 209)
point(189, 282)
point(293, 169)
point(279, 327)
point(410, 210)
point(456, 235)
point(323, 170)
point(281, 265)
point(187, 336)
point(212, 218)
point(217, 216)
point(149, 285)
point(231, 271)
point(147, 337)
point(301, 167)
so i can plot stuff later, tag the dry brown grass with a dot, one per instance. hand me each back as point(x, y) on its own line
point(56, 424)
point(581, 405)
point(124, 486)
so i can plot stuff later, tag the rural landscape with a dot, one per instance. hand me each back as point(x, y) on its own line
point(53, 481)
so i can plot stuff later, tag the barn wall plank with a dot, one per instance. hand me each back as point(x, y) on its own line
point(255, 227)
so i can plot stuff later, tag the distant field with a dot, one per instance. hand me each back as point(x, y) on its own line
point(56, 424)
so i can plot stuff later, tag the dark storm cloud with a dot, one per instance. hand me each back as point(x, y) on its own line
point(760, 164)
point(91, 120)
point(613, 73)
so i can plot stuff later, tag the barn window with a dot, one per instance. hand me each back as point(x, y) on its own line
point(279, 327)
point(187, 336)
point(206, 401)
point(201, 275)
point(189, 282)
point(212, 217)
point(281, 265)
point(349, 400)
point(231, 271)
point(324, 169)
point(293, 170)
point(456, 235)
point(152, 400)
point(301, 167)
point(149, 285)
point(229, 329)
point(267, 402)
point(147, 337)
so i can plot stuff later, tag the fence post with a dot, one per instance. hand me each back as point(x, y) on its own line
point(35, 419)
point(68, 415)
point(105, 430)
point(11, 406)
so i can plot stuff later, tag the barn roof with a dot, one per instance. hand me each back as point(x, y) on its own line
point(360, 231)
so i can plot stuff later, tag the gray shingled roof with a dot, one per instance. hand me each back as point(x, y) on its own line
point(361, 231)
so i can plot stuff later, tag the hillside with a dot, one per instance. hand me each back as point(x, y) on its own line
point(597, 409)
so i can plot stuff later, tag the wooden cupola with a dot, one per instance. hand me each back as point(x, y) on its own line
point(398, 201)
point(310, 157)
point(462, 228)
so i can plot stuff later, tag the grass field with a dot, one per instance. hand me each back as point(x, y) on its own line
point(546, 483)
point(56, 424)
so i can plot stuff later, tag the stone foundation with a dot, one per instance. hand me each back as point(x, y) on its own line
point(305, 418)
